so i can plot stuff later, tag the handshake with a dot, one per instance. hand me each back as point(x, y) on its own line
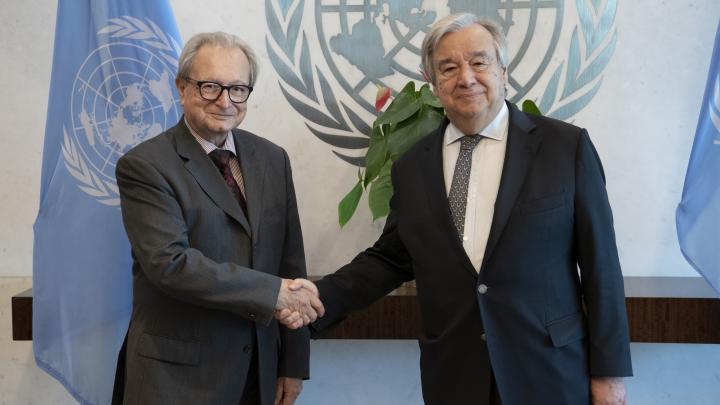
point(298, 303)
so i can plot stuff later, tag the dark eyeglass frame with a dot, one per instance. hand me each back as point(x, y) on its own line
point(200, 83)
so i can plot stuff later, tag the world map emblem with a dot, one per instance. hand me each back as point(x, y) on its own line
point(331, 56)
point(123, 94)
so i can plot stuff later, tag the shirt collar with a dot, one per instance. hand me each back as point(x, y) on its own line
point(208, 146)
point(496, 129)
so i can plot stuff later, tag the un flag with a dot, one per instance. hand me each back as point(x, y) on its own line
point(112, 87)
point(698, 214)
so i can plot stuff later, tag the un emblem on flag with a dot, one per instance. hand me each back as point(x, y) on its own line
point(714, 109)
point(331, 56)
point(123, 93)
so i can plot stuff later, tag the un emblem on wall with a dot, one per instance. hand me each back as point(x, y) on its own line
point(123, 94)
point(371, 43)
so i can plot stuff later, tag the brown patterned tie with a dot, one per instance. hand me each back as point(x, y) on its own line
point(460, 181)
point(221, 158)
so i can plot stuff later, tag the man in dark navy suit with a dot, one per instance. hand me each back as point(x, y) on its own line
point(492, 214)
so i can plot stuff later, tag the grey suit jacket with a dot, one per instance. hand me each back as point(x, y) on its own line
point(205, 276)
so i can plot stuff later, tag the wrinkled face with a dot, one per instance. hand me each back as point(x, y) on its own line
point(213, 119)
point(469, 80)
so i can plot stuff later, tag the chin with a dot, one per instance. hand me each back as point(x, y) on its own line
point(222, 125)
point(474, 113)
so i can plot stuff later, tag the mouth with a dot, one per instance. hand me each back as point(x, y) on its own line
point(469, 95)
point(222, 116)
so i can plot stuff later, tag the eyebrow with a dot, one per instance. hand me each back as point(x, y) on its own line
point(233, 83)
point(478, 54)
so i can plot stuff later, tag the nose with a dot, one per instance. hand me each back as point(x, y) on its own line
point(466, 76)
point(224, 99)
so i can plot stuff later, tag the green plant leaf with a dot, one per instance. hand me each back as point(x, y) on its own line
point(381, 191)
point(428, 97)
point(529, 106)
point(408, 133)
point(349, 204)
point(405, 104)
point(376, 156)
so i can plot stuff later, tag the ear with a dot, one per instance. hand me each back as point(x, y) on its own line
point(426, 77)
point(182, 87)
point(434, 88)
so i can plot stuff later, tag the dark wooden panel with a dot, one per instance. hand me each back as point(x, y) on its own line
point(393, 317)
point(22, 315)
point(674, 320)
point(657, 320)
point(397, 316)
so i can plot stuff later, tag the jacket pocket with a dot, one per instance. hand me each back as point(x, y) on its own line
point(169, 350)
point(543, 204)
point(566, 329)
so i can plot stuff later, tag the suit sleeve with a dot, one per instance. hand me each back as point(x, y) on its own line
point(295, 344)
point(601, 276)
point(371, 275)
point(158, 235)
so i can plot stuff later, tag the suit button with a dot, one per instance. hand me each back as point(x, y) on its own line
point(482, 288)
point(482, 337)
point(252, 316)
point(247, 349)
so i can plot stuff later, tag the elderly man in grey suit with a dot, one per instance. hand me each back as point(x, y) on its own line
point(211, 216)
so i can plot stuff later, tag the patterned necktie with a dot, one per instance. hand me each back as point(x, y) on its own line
point(461, 179)
point(221, 158)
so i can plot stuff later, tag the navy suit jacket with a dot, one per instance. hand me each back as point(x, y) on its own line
point(528, 318)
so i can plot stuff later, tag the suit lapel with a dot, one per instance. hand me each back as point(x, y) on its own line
point(207, 176)
point(522, 145)
point(431, 170)
point(253, 170)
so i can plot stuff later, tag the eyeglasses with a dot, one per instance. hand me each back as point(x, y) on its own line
point(211, 91)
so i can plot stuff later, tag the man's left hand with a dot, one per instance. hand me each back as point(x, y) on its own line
point(607, 391)
point(287, 390)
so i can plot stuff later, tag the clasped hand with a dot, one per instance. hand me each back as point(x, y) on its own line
point(298, 303)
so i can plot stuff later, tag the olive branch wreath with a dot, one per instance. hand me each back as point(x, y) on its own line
point(297, 73)
point(106, 191)
point(594, 35)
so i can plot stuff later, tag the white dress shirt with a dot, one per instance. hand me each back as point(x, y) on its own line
point(488, 158)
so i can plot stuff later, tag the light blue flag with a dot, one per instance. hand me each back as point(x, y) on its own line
point(112, 87)
point(698, 214)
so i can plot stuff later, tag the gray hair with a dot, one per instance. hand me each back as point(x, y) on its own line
point(217, 39)
point(454, 23)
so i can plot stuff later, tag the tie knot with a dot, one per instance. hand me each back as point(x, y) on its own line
point(468, 142)
point(220, 157)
